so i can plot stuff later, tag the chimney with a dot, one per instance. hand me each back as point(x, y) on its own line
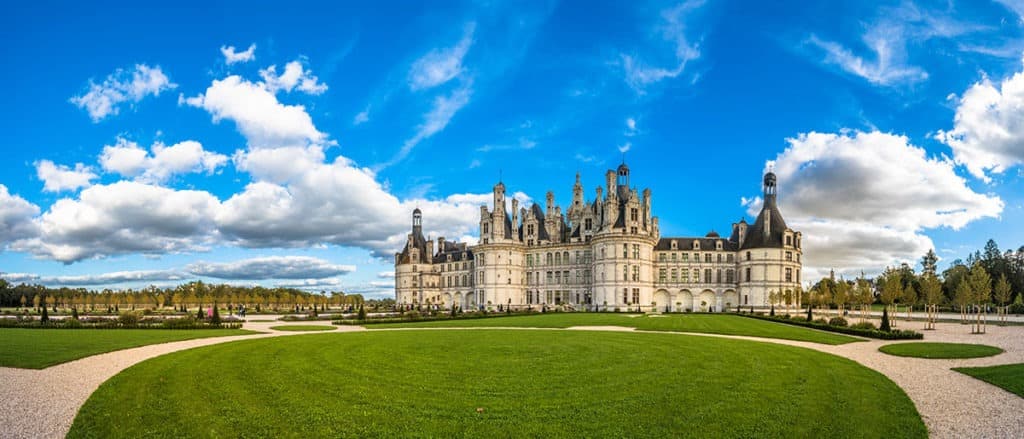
point(440, 243)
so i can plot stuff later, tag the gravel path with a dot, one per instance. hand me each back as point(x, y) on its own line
point(43, 403)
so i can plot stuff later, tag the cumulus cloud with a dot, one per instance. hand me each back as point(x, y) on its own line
point(625, 147)
point(863, 198)
point(116, 277)
point(16, 218)
point(265, 122)
point(128, 159)
point(104, 99)
point(640, 74)
point(231, 56)
point(272, 267)
point(386, 275)
point(121, 218)
point(294, 77)
point(362, 117)
point(57, 178)
point(988, 129)
point(441, 65)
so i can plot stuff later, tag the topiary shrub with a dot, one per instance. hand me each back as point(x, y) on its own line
point(216, 316)
point(837, 321)
point(199, 314)
point(885, 320)
point(362, 312)
point(863, 325)
point(74, 313)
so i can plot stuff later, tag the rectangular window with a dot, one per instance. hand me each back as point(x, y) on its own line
point(719, 257)
point(789, 256)
point(634, 217)
point(661, 257)
point(636, 296)
point(636, 273)
point(685, 275)
point(558, 277)
point(636, 251)
point(625, 251)
point(625, 295)
point(789, 275)
point(748, 274)
point(550, 278)
point(718, 276)
point(625, 272)
point(707, 257)
point(707, 275)
point(674, 256)
point(662, 275)
point(686, 257)
point(675, 275)
point(588, 224)
point(529, 260)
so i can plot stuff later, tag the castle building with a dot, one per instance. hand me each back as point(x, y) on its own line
point(600, 255)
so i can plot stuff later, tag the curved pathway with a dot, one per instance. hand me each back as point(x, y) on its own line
point(43, 403)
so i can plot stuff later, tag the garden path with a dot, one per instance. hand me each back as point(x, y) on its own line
point(43, 403)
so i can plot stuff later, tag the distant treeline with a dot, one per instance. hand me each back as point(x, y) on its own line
point(190, 295)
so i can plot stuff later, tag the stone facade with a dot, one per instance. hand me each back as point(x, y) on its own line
point(600, 255)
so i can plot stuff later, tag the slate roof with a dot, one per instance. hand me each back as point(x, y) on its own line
point(755, 234)
point(686, 244)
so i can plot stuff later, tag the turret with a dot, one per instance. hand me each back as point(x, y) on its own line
point(623, 180)
point(417, 222)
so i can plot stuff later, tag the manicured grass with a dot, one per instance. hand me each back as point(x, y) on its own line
point(1009, 377)
point(40, 348)
point(301, 328)
point(940, 350)
point(500, 383)
point(704, 323)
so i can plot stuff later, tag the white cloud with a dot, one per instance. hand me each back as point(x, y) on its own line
point(386, 275)
point(887, 68)
point(231, 56)
point(887, 39)
point(640, 74)
point(625, 147)
point(130, 160)
point(441, 65)
point(988, 130)
point(116, 277)
point(265, 122)
point(122, 218)
point(362, 117)
point(630, 127)
point(863, 199)
point(271, 267)
point(57, 178)
point(441, 112)
point(279, 165)
point(16, 216)
point(294, 77)
point(104, 99)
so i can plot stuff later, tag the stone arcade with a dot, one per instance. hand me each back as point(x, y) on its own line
point(599, 255)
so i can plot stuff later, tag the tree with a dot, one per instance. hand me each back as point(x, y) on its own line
point(909, 298)
point(885, 320)
point(1002, 294)
point(840, 295)
point(362, 313)
point(44, 318)
point(980, 284)
point(865, 296)
point(962, 298)
point(892, 288)
point(931, 293)
point(216, 315)
point(929, 262)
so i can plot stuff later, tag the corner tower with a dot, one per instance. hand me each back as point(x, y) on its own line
point(770, 256)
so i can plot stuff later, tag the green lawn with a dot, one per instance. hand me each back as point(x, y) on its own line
point(301, 328)
point(940, 350)
point(527, 384)
point(1010, 377)
point(704, 323)
point(40, 348)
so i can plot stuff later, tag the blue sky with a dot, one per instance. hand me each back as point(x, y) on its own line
point(235, 143)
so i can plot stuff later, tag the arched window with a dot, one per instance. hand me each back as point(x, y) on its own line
point(565, 257)
point(558, 258)
point(549, 259)
point(748, 256)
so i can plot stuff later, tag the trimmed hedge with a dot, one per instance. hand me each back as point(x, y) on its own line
point(870, 333)
point(415, 316)
point(184, 323)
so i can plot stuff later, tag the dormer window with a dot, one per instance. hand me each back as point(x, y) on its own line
point(718, 245)
point(789, 240)
point(696, 245)
point(675, 245)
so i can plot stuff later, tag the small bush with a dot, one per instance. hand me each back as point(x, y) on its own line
point(821, 321)
point(837, 321)
point(128, 318)
point(863, 325)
